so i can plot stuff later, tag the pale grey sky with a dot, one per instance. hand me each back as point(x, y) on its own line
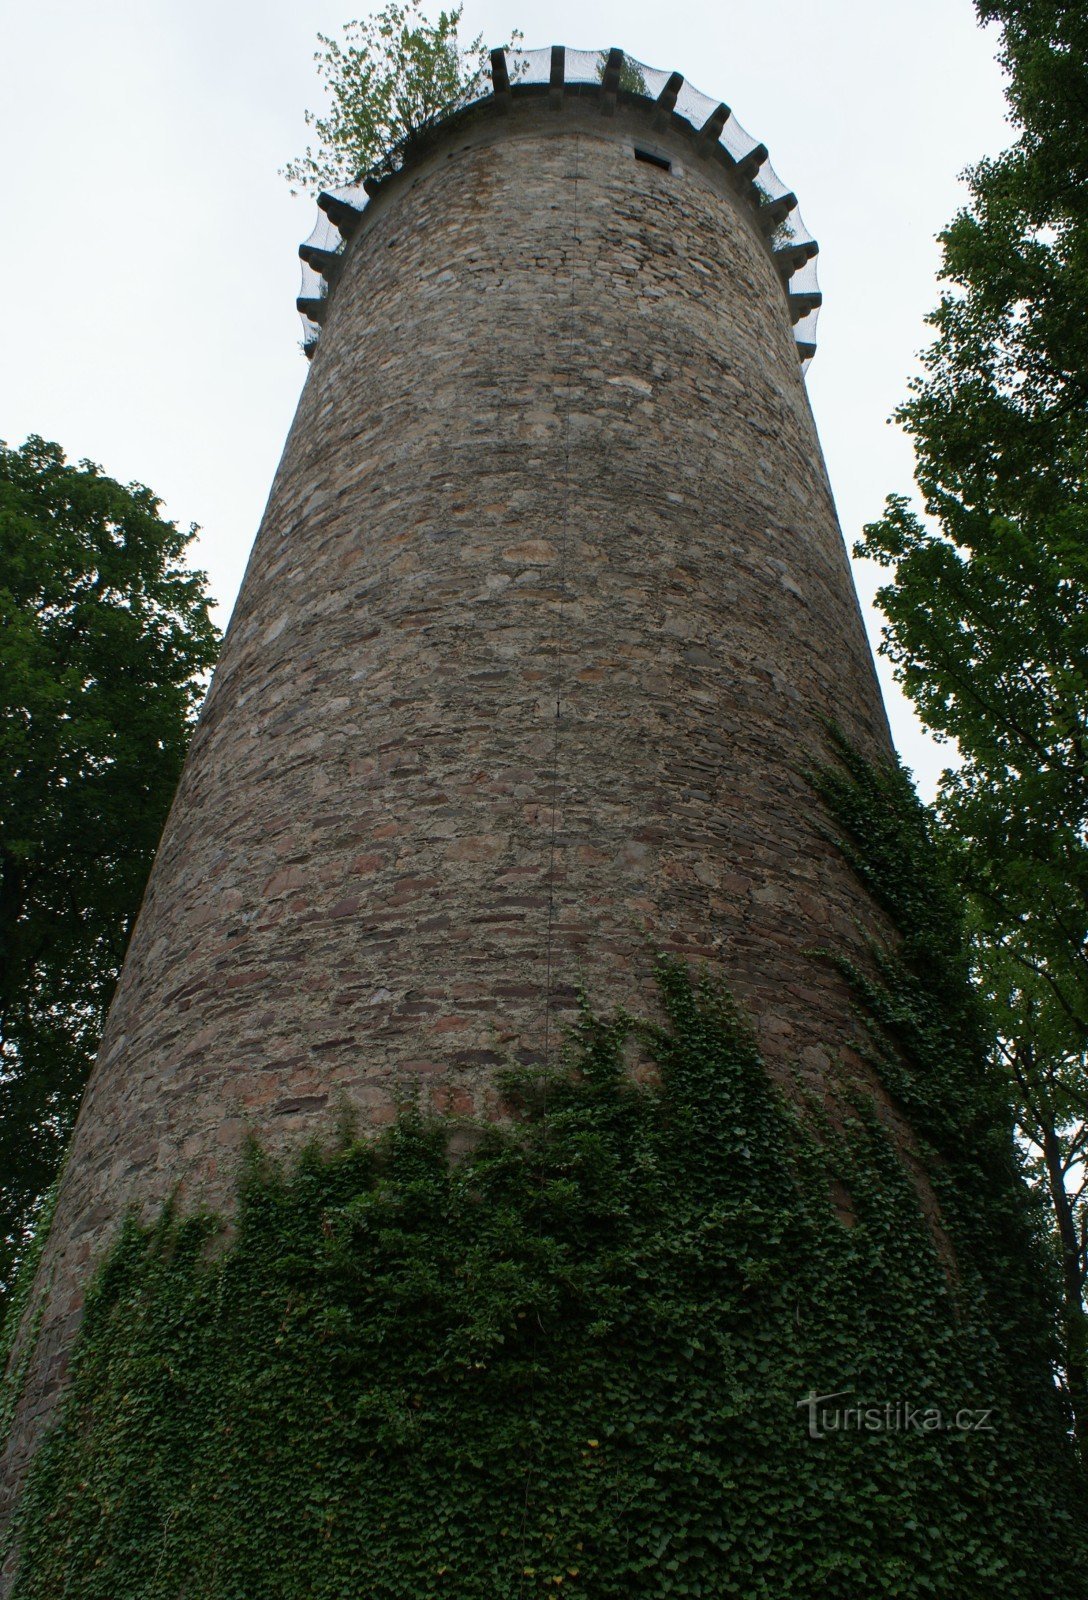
point(150, 270)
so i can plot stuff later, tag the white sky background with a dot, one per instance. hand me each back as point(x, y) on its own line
point(149, 267)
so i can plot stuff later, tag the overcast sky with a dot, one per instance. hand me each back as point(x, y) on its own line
point(150, 270)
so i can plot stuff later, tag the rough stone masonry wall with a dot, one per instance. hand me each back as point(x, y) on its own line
point(554, 448)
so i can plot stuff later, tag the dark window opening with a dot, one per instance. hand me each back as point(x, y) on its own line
point(652, 160)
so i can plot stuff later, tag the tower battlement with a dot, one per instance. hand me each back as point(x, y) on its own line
point(667, 121)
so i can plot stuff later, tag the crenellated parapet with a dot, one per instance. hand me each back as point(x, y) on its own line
point(675, 113)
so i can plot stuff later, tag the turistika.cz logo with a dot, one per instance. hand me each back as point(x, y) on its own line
point(828, 1414)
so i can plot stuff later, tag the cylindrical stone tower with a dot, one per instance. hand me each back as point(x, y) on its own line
point(548, 615)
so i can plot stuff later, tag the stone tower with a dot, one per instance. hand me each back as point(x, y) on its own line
point(547, 615)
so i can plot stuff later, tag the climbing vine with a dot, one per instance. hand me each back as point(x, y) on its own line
point(929, 1042)
point(576, 1361)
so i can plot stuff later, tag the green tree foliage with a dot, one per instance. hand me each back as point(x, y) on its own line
point(988, 607)
point(105, 639)
point(391, 79)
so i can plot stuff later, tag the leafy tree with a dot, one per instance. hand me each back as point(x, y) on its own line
point(105, 640)
point(988, 608)
point(394, 76)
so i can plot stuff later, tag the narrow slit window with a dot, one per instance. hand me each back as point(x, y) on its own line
point(652, 160)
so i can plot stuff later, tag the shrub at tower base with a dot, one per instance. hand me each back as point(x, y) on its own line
point(577, 1361)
